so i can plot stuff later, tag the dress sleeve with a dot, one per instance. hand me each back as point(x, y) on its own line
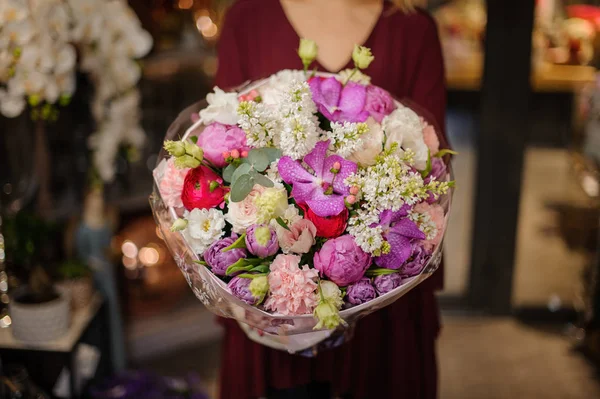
point(230, 70)
point(428, 89)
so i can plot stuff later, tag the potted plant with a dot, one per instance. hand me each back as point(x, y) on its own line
point(38, 310)
point(77, 281)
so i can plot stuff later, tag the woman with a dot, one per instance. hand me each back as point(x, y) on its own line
point(392, 354)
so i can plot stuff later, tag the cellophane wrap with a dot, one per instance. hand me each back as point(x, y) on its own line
point(294, 334)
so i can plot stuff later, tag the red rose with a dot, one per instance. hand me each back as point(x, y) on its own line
point(327, 227)
point(196, 189)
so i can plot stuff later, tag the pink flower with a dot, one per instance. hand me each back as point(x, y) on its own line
point(342, 260)
point(216, 139)
point(171, 184)
point(436, 214)
point(244, 214)
point(292, 289)
point(299, 238)
point(378, 103)
point(431, 138)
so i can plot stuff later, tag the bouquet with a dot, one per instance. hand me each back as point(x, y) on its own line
point(303, 202)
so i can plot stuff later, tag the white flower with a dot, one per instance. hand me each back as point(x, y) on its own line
point(299, 127)
point(205, 226)
point(331, 293)
point(345, 138)
point(403, 126)
point(17, 32)
point(362, 57)
point(272, 93)
point(12, 10)
point(11, 106)
point(244, 214)
point(222, 108)
point(307, 51)
point(353, 76)
point(273, 174)
point(372, 144)
point(260, 122)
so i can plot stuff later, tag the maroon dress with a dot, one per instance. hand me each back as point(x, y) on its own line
point(392, 354)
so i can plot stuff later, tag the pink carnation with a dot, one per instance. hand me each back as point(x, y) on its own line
point(431, 138)
point(292, 289)
point(436, 214)
point(171, 184)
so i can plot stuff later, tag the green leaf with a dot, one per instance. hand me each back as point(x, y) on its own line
point(282, 223)
point(427, 170)
point(375, 271)
point(444, 152)
point(248, 275)
point(228, 172)
point(237, 268)
point(241, 170)
point(194, 139)
point(258, 159)
point(272, 153)
point(261, 179)
point(260, 269)
point(239, 243)
point(201, 262)
point(241, 188)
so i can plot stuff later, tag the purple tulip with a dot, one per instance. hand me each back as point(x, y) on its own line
point(240, 287)
point(218, 260)
point(261, 240)
point(361, 292)
point(387, 282)
point(417, 260)
point(342, 261)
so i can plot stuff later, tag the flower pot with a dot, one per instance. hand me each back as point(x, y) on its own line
point(79, 289)
point(39, 322)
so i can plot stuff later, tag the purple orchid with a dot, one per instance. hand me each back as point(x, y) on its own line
point(323, 191)
point(338, 102)
point(400, 232)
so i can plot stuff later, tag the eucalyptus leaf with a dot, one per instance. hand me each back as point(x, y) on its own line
point(241, 188)
point(258, 159)
point(240, 171)
point(272, 153)
point(261, 179)
point(228, 172)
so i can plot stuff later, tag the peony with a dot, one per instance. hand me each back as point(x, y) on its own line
point(403, 126)
point(436, 215)
point(431, 139)
point(379, 103)
point(205, 226)
point(222, 108)
point(372, 144)
point(327, 227)
point(300, 237)
point(216, 139)
point(197, 191)
point(261, 241)
point(171, 184)
point(387, 282)
point(342, 261)
point(218, 260)
point(244, 214)
point(293, 289)
point(360, 292)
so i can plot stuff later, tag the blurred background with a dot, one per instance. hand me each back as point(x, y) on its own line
point(522, 293)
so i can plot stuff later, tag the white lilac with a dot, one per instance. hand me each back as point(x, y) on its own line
point(425, 223)
point(260, 123)
point(346, 138)
point(273, 174)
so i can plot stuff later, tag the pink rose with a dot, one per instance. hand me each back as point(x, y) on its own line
point(171, 184)
point(244, 214)
point(436, 215)
point(378, 103)
point(292, 289)
point(431, 139)
point(342, 260)
point(299, 238)
point(216, 139)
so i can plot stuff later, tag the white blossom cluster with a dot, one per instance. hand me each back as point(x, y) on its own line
point(346, 138)
point(38, 63)
point(299, 124)
point(370, 239)
point(273, 92)
point(260, 123)
point(273, 174)
point(425, 223)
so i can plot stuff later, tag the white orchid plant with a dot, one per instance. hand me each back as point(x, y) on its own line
point(43, 43)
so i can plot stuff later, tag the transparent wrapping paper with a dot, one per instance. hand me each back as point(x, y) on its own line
point(294, 334)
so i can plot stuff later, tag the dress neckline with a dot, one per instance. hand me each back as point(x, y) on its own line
point(365, 43)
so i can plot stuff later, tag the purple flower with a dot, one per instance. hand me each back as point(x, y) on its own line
point(218, 260)
point(417, 260)
point(360, 292)
point(342, 261)
point(261, 241)
point(438, 171)
point(400, 232)
point(378, 103)
point(387, 282)
point(322, 191)
point(240, 287)
point(338, 102)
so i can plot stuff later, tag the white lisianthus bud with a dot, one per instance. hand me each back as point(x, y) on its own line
point(175, 148)
point(362, 57)
point(328, 316)
point(331, 293)
point(179, 224)
point(307, 51)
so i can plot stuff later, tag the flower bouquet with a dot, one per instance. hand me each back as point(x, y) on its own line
point(302, 202)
